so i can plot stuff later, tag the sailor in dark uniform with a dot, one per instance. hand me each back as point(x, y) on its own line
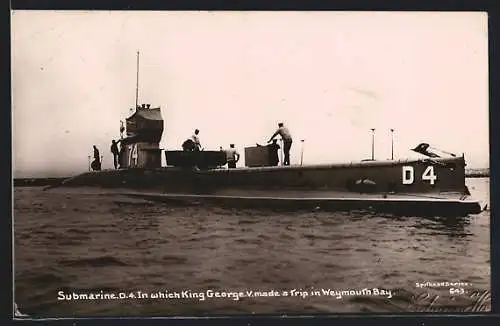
point(115, 152)
point(273, 149)
point(96, 164)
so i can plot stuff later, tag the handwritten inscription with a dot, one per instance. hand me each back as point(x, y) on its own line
point(478, 301)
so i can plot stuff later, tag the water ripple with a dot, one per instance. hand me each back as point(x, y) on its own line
point(102, 261)
point(81, 240)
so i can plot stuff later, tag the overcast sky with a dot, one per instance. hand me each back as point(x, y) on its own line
point(329, 76)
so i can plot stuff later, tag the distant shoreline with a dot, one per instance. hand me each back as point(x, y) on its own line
point(42, 182)
point(37, 182)
point(477, 175)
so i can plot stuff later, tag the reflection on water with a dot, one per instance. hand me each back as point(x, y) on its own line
point(81, 240)
point(452, 227)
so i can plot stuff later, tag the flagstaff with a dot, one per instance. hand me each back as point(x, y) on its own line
point(137, 83)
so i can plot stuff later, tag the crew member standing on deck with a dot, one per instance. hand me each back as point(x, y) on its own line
point(196, 140)
point(96, 154)
point(232, 157)
point(96, 164)
point(115, 152)
point(287, 141)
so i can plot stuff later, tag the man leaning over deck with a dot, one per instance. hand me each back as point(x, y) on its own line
point(287, 141)
point(193, 143)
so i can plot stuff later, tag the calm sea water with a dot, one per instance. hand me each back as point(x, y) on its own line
point(82, 241)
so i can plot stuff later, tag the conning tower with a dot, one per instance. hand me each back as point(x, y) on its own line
point(141, 147)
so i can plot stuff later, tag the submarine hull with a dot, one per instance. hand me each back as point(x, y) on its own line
point(446, 205)
point(428, 186)
point(403, 176)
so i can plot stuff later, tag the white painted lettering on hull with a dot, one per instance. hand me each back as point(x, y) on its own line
point(409, 175)
point(429, 175)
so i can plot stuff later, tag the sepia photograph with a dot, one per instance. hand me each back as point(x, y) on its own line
point(230, 163)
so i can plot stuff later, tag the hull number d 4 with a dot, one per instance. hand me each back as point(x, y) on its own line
point(409, 175)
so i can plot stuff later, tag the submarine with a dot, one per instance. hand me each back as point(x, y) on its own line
point(431, 186)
